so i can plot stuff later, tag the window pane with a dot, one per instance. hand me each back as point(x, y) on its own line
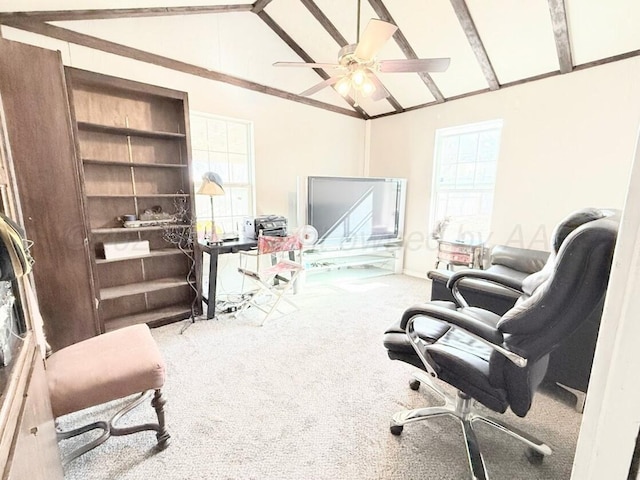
point(222, 146)
point(488, 146)
point(486, 174)
point(468, 148)
point(447, 175)
point(465, 175)
point(220, 165)
point(240, 200)
point(237, 137)
point(217, 134)
point(466, 165)
point(200, 165)
point(203, 207)
point(450, 149)
point(222, 205)
point(198, 127)
point(239, 167)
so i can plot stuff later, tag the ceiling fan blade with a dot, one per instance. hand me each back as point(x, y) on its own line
point(319, 86)
point(309, 65)
point(373, 38)
point(415, 65)
point(380, 92)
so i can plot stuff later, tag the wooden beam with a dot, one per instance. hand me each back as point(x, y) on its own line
point(325, 22)
point(286, 38)
point(406, 48)
point(470, 30)
point(561, 34)
point(260, 5)
point(64, 15)
point(337, 36)
point(577, 68)
point(133, 53)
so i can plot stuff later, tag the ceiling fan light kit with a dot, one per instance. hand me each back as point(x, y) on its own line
point(355, 72)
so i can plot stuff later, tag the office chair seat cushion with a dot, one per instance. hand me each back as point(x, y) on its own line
point(104, 368)
point(461, 360)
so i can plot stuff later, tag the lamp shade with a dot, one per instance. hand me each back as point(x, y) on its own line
point(211, 185)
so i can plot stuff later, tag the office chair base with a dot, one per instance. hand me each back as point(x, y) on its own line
point(581, 397)
point(110, 429)
point(461, 410)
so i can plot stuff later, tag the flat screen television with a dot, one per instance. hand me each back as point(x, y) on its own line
point(356, 212)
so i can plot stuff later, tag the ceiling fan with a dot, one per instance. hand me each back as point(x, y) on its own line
point(357, 64)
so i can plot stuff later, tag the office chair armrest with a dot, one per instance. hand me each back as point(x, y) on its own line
point(488, 335)
point(503, 281)
point(453, 318)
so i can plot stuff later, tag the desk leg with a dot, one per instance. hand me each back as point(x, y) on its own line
point(213, 279)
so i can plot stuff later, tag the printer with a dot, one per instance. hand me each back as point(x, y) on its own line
point(272, 225)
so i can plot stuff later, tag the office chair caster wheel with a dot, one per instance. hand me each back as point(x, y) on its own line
point(534, 456)
point(414, 384)
point(396, 429)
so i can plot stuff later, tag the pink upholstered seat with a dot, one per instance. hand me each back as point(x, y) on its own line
point(104, 368)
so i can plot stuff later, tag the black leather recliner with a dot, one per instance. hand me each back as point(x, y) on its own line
point(570, 364)
point(500, 361)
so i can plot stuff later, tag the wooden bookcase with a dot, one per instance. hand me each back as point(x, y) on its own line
point(134, 156)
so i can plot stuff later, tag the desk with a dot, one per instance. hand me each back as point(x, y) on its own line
point(214, 251)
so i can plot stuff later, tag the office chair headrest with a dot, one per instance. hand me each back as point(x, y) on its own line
point(573, 221)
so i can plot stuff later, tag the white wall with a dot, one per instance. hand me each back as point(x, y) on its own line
point(567, 143)
point(291, 139)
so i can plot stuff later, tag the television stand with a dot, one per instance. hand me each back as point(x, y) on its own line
point(351, 262)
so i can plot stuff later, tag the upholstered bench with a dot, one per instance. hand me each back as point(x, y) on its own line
point(105, 368)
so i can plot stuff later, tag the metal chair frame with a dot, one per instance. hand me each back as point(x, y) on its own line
point(272, 280)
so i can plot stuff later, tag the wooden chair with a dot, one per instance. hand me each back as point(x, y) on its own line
point(105, 368)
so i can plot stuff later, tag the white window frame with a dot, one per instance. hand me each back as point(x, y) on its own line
point(458, 131)
point(234, 218)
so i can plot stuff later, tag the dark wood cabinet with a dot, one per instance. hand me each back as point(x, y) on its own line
point(39, 129)
point(28, 446)
point(33, 453)
point(134, 159)
point(88, 149)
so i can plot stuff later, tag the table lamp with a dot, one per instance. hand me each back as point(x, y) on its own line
point(211, 185)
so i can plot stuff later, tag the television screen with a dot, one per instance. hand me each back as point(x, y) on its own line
point(355, 210)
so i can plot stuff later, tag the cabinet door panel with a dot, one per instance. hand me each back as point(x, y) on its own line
point(41, 141)
point(36, 455)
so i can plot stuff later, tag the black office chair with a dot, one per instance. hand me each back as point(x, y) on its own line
point(499, 361)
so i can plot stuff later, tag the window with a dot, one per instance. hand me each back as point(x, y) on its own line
point(223, 146)
point(465, 175)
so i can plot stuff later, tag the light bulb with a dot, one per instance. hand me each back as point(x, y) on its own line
point(343, 86)
point(367, 88)
point(358, 78)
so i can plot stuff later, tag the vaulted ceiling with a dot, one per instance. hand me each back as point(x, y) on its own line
point(492, 44)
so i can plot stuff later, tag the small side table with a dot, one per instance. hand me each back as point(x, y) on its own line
point(460, 253)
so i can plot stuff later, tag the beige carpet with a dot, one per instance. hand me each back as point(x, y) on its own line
point(309, 396)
